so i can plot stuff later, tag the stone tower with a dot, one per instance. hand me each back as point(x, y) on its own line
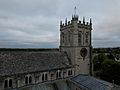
point(75, 40)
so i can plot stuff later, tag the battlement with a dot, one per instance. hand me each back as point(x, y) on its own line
point(75, 19)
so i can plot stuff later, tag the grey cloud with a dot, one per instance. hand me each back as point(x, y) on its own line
point(106, 43)
point(29, 23)
point(35, 23)
point(108, 30)
point(26, 7)
point(15, 44)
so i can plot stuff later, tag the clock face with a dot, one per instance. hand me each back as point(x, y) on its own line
point(83, 52)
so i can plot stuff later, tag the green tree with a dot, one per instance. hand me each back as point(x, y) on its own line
point(98, 60)
point(110, 71)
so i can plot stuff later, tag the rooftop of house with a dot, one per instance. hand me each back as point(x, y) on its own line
point(13, 61)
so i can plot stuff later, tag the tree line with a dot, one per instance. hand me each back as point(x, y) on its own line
point(106, 68)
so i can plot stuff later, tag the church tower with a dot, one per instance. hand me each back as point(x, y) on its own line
point(75, 40)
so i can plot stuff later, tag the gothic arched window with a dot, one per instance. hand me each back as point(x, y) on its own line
point(69, 72)
point(79, 38)
point(6, 84)
point(26, 80)
point(42, 77)
point(57, 75)
point(30, 80)
point(10, 83)
point(46, 77)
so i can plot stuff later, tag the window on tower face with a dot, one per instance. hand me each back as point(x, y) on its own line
point(63, 37)
point(79, 38)
point(69, 37)
point(86, 37)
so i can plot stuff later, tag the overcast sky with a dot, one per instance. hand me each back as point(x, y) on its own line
point(35, 23)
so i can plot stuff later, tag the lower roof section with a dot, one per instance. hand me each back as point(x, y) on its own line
point(80, 82)
point(91, 83)
point(53, 85)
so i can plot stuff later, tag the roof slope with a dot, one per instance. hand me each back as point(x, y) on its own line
point(91, 83)
point(16, 62)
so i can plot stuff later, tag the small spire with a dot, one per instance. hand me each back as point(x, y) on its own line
point(75, 16)
point(90, 21)
point(60, 22)
point(83, 20)
point(66, 21)
point(75, 9)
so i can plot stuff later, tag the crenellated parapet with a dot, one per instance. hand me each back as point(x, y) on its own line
point(75, 19)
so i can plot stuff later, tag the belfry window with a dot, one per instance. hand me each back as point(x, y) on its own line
point(69, 37)
point(86, 37)
point(63, 37)
point(79, 38)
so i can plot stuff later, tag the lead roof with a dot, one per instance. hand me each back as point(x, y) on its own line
point(91, 83)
